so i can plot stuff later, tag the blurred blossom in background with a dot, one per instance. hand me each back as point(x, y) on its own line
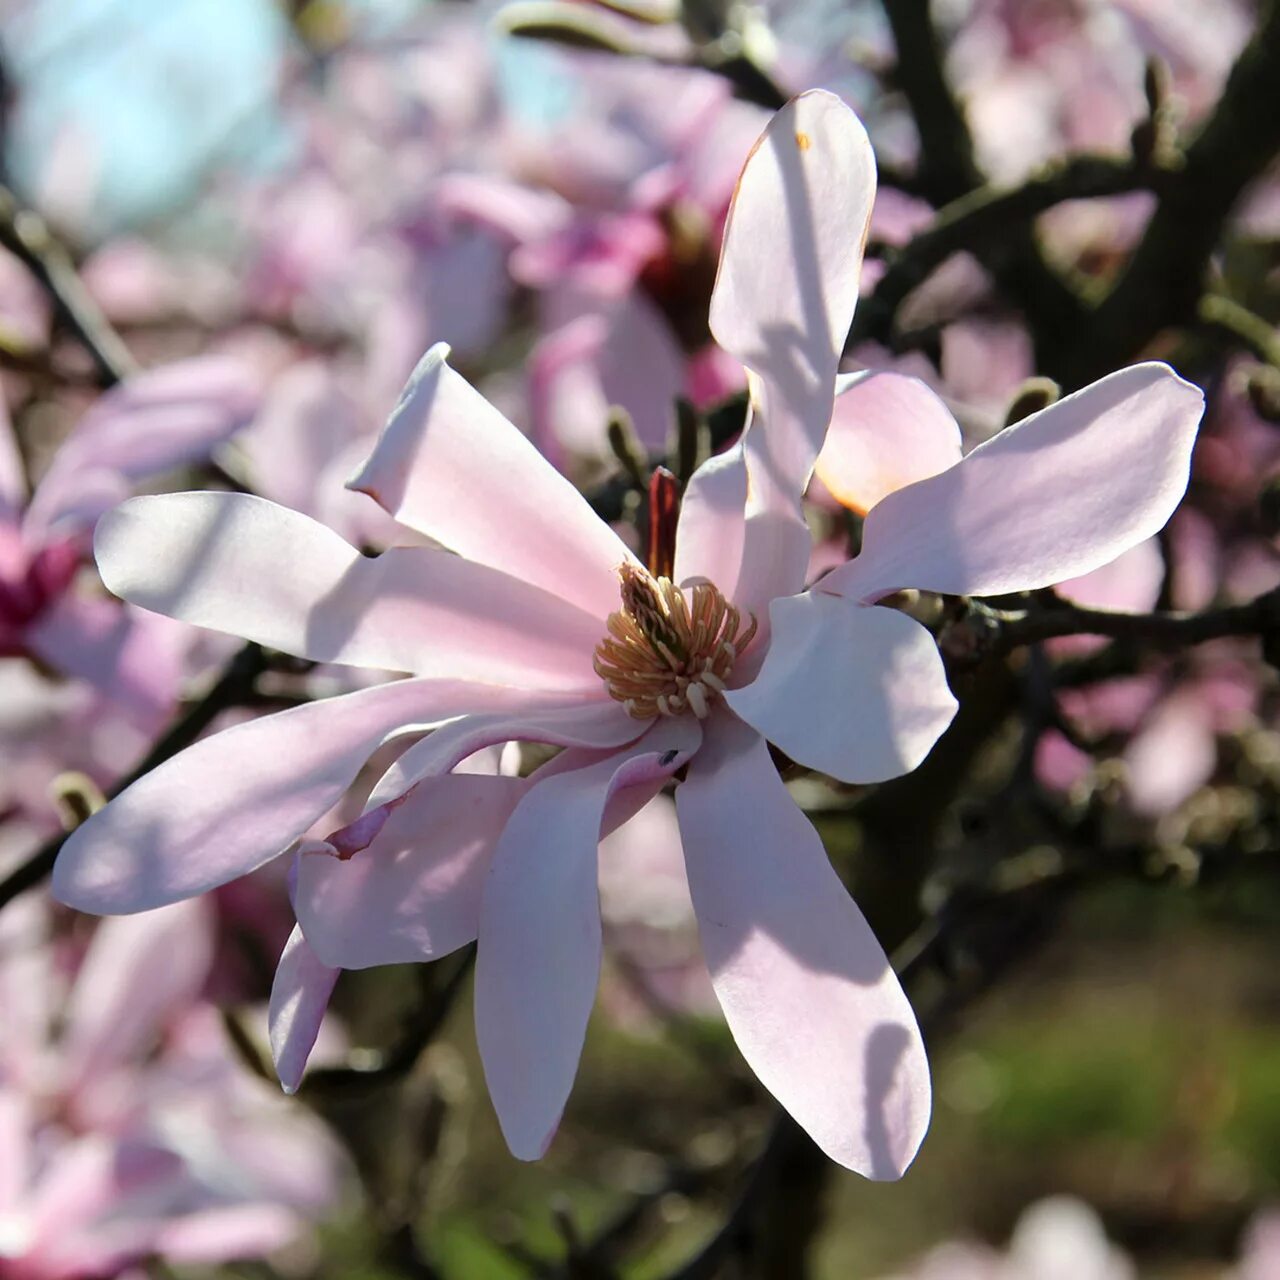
point(229, 229)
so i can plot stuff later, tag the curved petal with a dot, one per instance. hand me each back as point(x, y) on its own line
point(130, 656)
point(299, 997)
point(808, 994)
point(137, 974)
point(539, 957)
point(451, 466)
point(855, 692)
point(776, 548)
point(1131, 581)
point(1172, 755)
point(1059, 494)
point(413, 892)
point(776, 542)
point(225, 1232)
point(240, 564)
point(887, 431)
point(711, 528)
point(236, 799)
point(788, 279)
point(598, 724)
point(150, 423)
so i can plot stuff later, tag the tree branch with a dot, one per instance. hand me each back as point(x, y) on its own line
point(981, 217)
point(982, 631)
point(25, 234)
point(948, 167)
point(1163, 281)
point(949, 170)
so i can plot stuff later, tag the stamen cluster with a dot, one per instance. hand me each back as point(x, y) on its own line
point(667, 653)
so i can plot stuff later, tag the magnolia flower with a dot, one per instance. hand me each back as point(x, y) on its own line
point(154, 422)
point(544, 627)
point(128, 1127)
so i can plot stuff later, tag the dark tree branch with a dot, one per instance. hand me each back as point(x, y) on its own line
point(1162, 283)
point(609, 499)
point(948, 167)
point(982, 631)
point(25, 234)
point(982, 217)
point(950, 170)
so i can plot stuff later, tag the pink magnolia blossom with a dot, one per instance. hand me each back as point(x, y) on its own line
point(151, 423)
point(128, 1128)
point(544, 627)
point(617, 239)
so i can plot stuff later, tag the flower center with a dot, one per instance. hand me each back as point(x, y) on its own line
point(667, 653)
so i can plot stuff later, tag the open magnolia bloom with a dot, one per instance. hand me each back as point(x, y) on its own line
point(543, 627)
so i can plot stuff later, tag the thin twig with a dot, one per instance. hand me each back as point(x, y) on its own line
point(26, 235)
point(981, 631)
point(949, 171)
point(1241, 325)
point(975, 220)
point(1162, 283)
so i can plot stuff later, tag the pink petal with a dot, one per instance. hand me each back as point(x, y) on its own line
point(642, 367)
point(240, 564)
point(16, 1124)
point(138, 973)
point(236, 799)
point(887, 431)
point(222, 1232)
point(788, 279)
point(857, 693)
point(1132, 581)
point(306, 421)
point(711, 529)
point(78, 1183)
point(153, 422)
point(1059, 494)
point(299, 997)
point(566, 403)
point(130, 656)
point(1172, 756)
point(1061, 1238)
point(598, 724)
point(539, 958)
point(805, 986)
point(451, 466)
point(413, 893)
point(776, 548)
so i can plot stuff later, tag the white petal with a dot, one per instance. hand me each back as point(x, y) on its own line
point(1061, 493)
point(808, 994)
point(856, 692)
point(451, 466)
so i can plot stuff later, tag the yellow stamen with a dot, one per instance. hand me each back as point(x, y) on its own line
point(666, 653)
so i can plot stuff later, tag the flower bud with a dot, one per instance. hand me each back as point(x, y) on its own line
point(1034, 394)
